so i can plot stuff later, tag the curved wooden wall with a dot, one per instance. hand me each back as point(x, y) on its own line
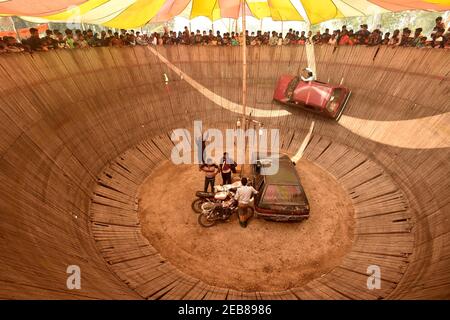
point(382, 236)
point(65, 115)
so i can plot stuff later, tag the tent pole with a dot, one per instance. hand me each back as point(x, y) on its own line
point(244, 66)
point(14, 28)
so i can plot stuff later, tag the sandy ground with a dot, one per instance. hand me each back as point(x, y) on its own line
point(266, 255)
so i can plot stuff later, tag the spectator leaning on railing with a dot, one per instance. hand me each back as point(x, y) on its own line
point(71, 39)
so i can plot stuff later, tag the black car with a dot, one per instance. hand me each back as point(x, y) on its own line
point(281, 196)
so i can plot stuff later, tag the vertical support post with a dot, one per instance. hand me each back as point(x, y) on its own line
point(310, 55)
point(14, 28)
point(244, 66)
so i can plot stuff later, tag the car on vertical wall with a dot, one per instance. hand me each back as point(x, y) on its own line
point(281, 196)
point(315, 96)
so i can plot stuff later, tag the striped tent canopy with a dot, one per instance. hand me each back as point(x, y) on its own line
point(135, 13)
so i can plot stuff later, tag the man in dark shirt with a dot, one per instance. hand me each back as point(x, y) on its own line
point(205, 38)
point(219, 39)
point(326, 36)
point(362, 35)
point(226, 167)
point(104, 38)
point(34, 43)
point(405, 40)
point(198, 38)
point(49, 40)
point(317, 38)
point(259, 37)
point(439, 27)
point(166, 38)
point(173, 37)
point(439, 33)
point(179, 39)
point(302, 38)
point(417, 37)
point(385, 40)
point(289, 34)
point(192, 38)
point(186, 39)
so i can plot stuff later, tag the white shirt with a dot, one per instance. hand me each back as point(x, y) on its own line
point(140, 41)
point(307, 79)
point(244, 194)
point(273, 41)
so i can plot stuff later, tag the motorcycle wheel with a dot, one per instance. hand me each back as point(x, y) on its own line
point(204, 222)
point(197, 205)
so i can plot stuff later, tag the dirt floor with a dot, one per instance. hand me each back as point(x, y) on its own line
point(266, 256)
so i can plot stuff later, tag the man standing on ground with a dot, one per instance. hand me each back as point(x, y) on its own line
point(211, 170)
point(243, 196)
point(226, 167)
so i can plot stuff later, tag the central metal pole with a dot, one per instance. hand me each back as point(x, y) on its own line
point(14, 28)
point(244, 67)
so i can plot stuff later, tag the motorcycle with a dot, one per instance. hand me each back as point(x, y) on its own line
point(202, 197)
point(210, 197)
point(213, 212)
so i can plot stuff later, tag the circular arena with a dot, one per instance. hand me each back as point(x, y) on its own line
point(86, 176)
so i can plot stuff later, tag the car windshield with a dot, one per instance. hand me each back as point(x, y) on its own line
point(291, 87)
point(281, 194)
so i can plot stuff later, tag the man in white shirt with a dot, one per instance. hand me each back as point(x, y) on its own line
point(273, 40)
point(308, 75)
point(140, 39)
point(243, 196)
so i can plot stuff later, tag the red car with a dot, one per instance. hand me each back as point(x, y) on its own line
point(315, 96)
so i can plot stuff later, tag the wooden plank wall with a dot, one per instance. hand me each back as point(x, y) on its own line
point(65, 115)
point(383, 227)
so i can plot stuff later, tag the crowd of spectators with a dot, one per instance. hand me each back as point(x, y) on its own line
point(54, 39)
